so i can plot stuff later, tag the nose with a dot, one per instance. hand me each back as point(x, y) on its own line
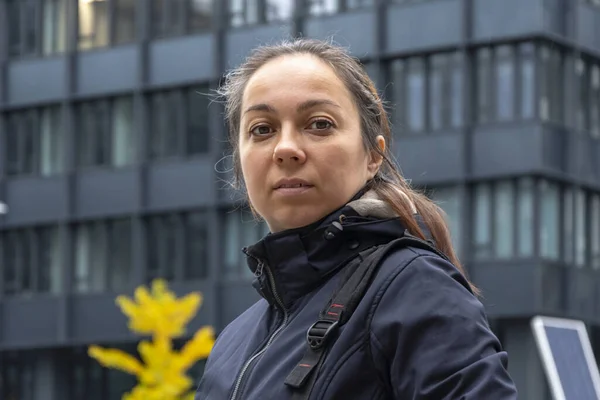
point(289, 148)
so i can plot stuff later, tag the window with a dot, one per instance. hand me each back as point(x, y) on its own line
point(595, 102)
point(580, 228)
point(527, 80)
point(105, 133)
point(17, 375)
point(582, 104)
point(93, 24)
point(124, 21)
point(321, 7)
point(437, 89)
point(456, 98)
point(551, 83)
point(525, 216)
point(449, 200)
point(37, 27)
point(241, 229)
point(398, 78)
point(244, 12)
point(279, 10)
point(484, 66)
point(505, 83)
point(89, 380)
point(177, 246)
point(415, 102)
point(32, 261)
point(503, 212)
point(35, 142)
point(595, 231)
point(569, 225)
point(102, 256)
point(178, 17)
point(549, 220)
point(482, 219)
point(179, 123)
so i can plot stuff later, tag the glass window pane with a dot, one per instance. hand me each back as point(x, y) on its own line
point(123, 133)
point(482, 220)
point(549, 220)
point(124, 21)
point(525, 217)
point(527, 86)
point(595, 231)
point(201, 15)
point(484, 65)
point(13, 138)
point(93, 24)
point(243, 12)
point(415, 102)
point(279, 10)
point(505, 84)
point(449, 200)
point(54, 25)
point(120, 244)
point(436, 77)
point(51, 261)
point(581, 70)
point(580, 228)
point(569, 222)
point(28, 142)
point(51, 141)
point(546, 73)
point(457, 91)
point(595, 102)
point(30, 19)
point(13, 14)
point(197, 246)
point(165, 130)
point(233, 255)
point(11, 260)
point(504, 217)
point(198, 120)
point(398, 78)
point(321, 7)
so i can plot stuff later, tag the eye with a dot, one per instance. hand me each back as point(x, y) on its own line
point(321, 124)
point(261, 130)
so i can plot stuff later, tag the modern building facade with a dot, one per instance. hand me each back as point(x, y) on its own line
point(113, 161)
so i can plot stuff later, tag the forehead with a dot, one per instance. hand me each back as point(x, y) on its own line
point(296, 76)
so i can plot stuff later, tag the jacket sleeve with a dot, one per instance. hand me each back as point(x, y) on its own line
point(430, 338)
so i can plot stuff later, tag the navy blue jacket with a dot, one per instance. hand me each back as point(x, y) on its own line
point(418, 333)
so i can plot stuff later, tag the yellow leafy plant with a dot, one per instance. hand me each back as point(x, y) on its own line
point(161, 372)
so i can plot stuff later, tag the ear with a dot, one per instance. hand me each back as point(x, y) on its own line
point(375, 158)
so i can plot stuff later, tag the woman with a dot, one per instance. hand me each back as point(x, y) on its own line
point(310, 142)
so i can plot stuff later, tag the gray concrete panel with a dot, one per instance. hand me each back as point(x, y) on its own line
point(501, 150)
point(107, 70)
point(36, 200)
point(496, 19)
point(181, 60)
point(102, 193)
point(355, 30)
point(95, 318)
point(36, 81)
point(427, 159)
point(29, 321)
point(588, 26)
point(554, 152)
point(424, 25)
point(180, 184)
point(239, 42)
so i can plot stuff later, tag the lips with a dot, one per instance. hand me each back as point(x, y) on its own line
point(291, 184)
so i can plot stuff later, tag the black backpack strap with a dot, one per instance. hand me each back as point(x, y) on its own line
point(340, 308)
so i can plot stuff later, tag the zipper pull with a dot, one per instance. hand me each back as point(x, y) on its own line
point(259, 270)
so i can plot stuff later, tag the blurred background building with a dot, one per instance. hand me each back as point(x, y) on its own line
point(108, 151)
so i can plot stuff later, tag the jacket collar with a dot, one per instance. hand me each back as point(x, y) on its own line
point(290, 264)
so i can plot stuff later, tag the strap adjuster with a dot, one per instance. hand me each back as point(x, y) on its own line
point(319, 332)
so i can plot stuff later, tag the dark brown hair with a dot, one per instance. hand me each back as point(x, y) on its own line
point(389, 184)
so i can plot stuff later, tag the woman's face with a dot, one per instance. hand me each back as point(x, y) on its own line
point(301, 151)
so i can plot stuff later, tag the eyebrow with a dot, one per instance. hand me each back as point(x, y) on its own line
point(306, 105)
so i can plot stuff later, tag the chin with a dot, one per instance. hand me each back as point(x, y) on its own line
point(297, 219)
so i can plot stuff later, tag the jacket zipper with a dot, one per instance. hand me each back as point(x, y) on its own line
point(259, 270)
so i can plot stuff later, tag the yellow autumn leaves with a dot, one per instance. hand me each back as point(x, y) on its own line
point(161, 372)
